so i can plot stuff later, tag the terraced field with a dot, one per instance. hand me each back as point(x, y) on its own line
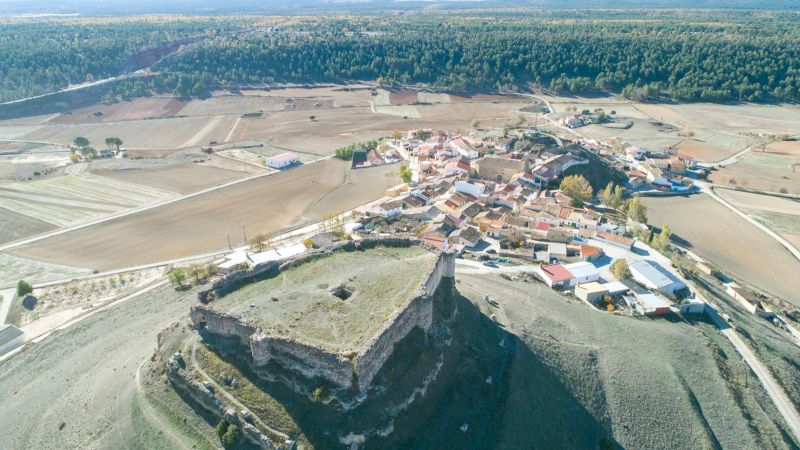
point(69, 200)
point(202, 223)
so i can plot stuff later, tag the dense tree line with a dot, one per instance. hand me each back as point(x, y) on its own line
point(683, 56)
point(41, 56)
point(684, 61)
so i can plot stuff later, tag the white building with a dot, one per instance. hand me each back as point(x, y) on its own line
point(464, 148)
point(590, 292)
point(653, 276)
point(283, 160)
point(474, 189)
point(388, 209)
point(582, 272)
point(652, 304)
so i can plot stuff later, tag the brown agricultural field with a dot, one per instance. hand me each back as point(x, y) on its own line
point(489, 98)
point(237, 104)
point(183, 178)
point(703, 151)
point(167, 133)
point(736, 246)
point(333, 128)
point(15, 226)
point(138, 109)
point(402, 97)
point(785, 148)
point(781, 215)
point(199, 224)
point(765, 171)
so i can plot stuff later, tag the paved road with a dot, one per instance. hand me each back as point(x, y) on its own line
point(84, 376)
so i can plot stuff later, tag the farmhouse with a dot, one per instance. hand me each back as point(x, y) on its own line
point(602, 237)
point(470, 188)
point(388, 209)
point(283, 160)
point(467, 236)
point(653, 276)
point(748, 300)
point(464, 148)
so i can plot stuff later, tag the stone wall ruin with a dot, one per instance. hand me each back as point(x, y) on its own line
point(345, 370)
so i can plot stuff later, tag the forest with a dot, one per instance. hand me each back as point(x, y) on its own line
point(647, 56)
point(41, 56)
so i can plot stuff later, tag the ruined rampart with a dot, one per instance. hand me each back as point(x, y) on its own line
point(342, 369)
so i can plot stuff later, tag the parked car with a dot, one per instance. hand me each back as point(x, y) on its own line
point(490, 264)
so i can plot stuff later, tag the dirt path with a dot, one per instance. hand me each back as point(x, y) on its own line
point(152, 415)
point(6, 297)
point(775, 392)
point(233, 128)
point(83, 376)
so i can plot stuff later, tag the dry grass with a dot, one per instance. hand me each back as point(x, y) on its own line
point(381, 281)
point(764, 171)
point(648, 383)
point(730, 242)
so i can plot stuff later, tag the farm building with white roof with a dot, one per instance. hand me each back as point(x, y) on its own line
point(652, 275)
point(283, 160)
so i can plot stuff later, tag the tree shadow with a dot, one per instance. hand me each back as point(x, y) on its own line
point(29, 302)
point(677, 239)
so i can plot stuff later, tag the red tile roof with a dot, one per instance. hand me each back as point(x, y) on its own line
point(589, 250)
point(556, 272)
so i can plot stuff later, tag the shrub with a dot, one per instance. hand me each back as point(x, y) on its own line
point(231, 437)
point(23, 288)
point(620, 269)
point(320, 393)
point(176, 276)
point(221, 428)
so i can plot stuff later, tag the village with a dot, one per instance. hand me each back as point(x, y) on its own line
point(499, 201)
